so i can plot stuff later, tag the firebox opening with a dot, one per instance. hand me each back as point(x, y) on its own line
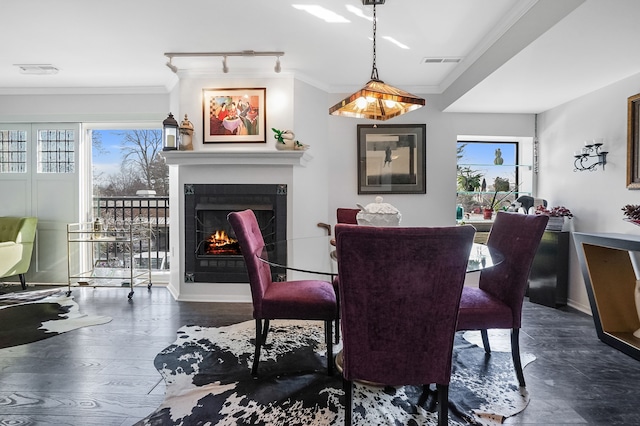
point(214, 233)
point(212, 252)
point(221, 243)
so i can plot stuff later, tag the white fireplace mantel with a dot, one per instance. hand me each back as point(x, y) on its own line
point(231, 165)
point(238, 156)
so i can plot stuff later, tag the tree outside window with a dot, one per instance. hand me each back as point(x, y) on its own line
point(126, 161)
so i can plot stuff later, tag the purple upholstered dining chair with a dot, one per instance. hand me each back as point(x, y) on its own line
point(346, 215)
point(399, 295)
point(497, 302)
point(303, 299)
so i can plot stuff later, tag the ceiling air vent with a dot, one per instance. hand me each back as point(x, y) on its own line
point(441, 60)
point(37, 69)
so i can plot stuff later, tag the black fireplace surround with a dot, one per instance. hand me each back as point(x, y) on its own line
point(206, 208)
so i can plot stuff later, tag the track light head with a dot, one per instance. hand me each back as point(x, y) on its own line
point(225, 68)
point(277, 68)
point(172, 67)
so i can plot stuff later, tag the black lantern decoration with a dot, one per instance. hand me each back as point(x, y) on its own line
point(169, 133)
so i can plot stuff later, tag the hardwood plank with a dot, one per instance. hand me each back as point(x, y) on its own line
point(104, 375)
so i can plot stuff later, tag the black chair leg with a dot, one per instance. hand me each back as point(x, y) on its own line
point(347, 386)
point(328, 334)
point(485, 341)
point(515, 355)
point(23, 281)
point(265, 331)
point(261, 336)
point(337, 321)
point(443, 404)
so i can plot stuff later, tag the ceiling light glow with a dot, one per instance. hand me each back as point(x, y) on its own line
point(358, 12)
point(396, 42)
point(322, 13)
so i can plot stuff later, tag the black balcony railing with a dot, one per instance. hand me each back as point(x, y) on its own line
point(121, 212)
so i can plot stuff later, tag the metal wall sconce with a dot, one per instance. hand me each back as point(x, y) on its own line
point(592, 155)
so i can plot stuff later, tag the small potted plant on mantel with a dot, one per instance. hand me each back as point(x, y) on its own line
point(285, 140)
point(556, 215)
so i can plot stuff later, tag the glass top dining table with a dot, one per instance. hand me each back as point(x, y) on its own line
point(316, 255)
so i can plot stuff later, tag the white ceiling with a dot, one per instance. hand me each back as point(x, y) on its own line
point(517, 55)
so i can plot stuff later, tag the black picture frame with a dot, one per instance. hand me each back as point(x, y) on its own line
point(392, 159)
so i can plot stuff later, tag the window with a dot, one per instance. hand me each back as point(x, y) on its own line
point(56, 151)
point(13, 151)
point(130, 185)
point(490, 177)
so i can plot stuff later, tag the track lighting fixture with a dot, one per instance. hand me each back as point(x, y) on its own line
point(225, 66)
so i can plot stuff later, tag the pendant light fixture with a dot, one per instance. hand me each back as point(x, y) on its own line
point(376, 100)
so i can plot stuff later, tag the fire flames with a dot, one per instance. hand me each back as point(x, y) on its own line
point(221, 243)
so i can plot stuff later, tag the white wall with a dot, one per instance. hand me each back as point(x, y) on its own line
point(595, 198)
point(311, 119)
point(329, 179)
point(279, 106)
point(437, 206)
point(103, 106)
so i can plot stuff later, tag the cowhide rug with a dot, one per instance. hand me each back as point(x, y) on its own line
point(207, 373)
point(29, 316)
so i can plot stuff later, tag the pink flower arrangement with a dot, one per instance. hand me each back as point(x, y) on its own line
point(557, 211)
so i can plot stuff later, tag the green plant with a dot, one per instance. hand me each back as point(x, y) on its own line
point(278, 135)
point(469, 180)
point(495, 201)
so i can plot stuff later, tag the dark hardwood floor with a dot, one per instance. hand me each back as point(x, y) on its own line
point(104, 375)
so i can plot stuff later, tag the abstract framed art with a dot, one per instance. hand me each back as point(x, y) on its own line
point(234, 115)
point(392, 159)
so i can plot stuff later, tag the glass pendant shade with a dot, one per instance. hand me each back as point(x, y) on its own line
point(377, 101)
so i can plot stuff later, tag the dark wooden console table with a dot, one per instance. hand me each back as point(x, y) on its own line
point(549, 276)
point(610, 280)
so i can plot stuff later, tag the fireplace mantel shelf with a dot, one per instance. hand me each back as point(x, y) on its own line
point(238, 157)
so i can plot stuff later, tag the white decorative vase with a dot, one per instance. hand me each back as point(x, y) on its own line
point(555, 223)
point(288, 145)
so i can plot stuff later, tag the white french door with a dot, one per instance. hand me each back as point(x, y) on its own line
point(39, 176)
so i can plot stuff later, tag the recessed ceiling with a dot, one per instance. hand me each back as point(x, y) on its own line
point(514, 55)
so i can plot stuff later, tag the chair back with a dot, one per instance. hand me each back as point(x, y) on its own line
point(345, 215)
point(399, 296)
point(245, 226)
point(517, 237)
